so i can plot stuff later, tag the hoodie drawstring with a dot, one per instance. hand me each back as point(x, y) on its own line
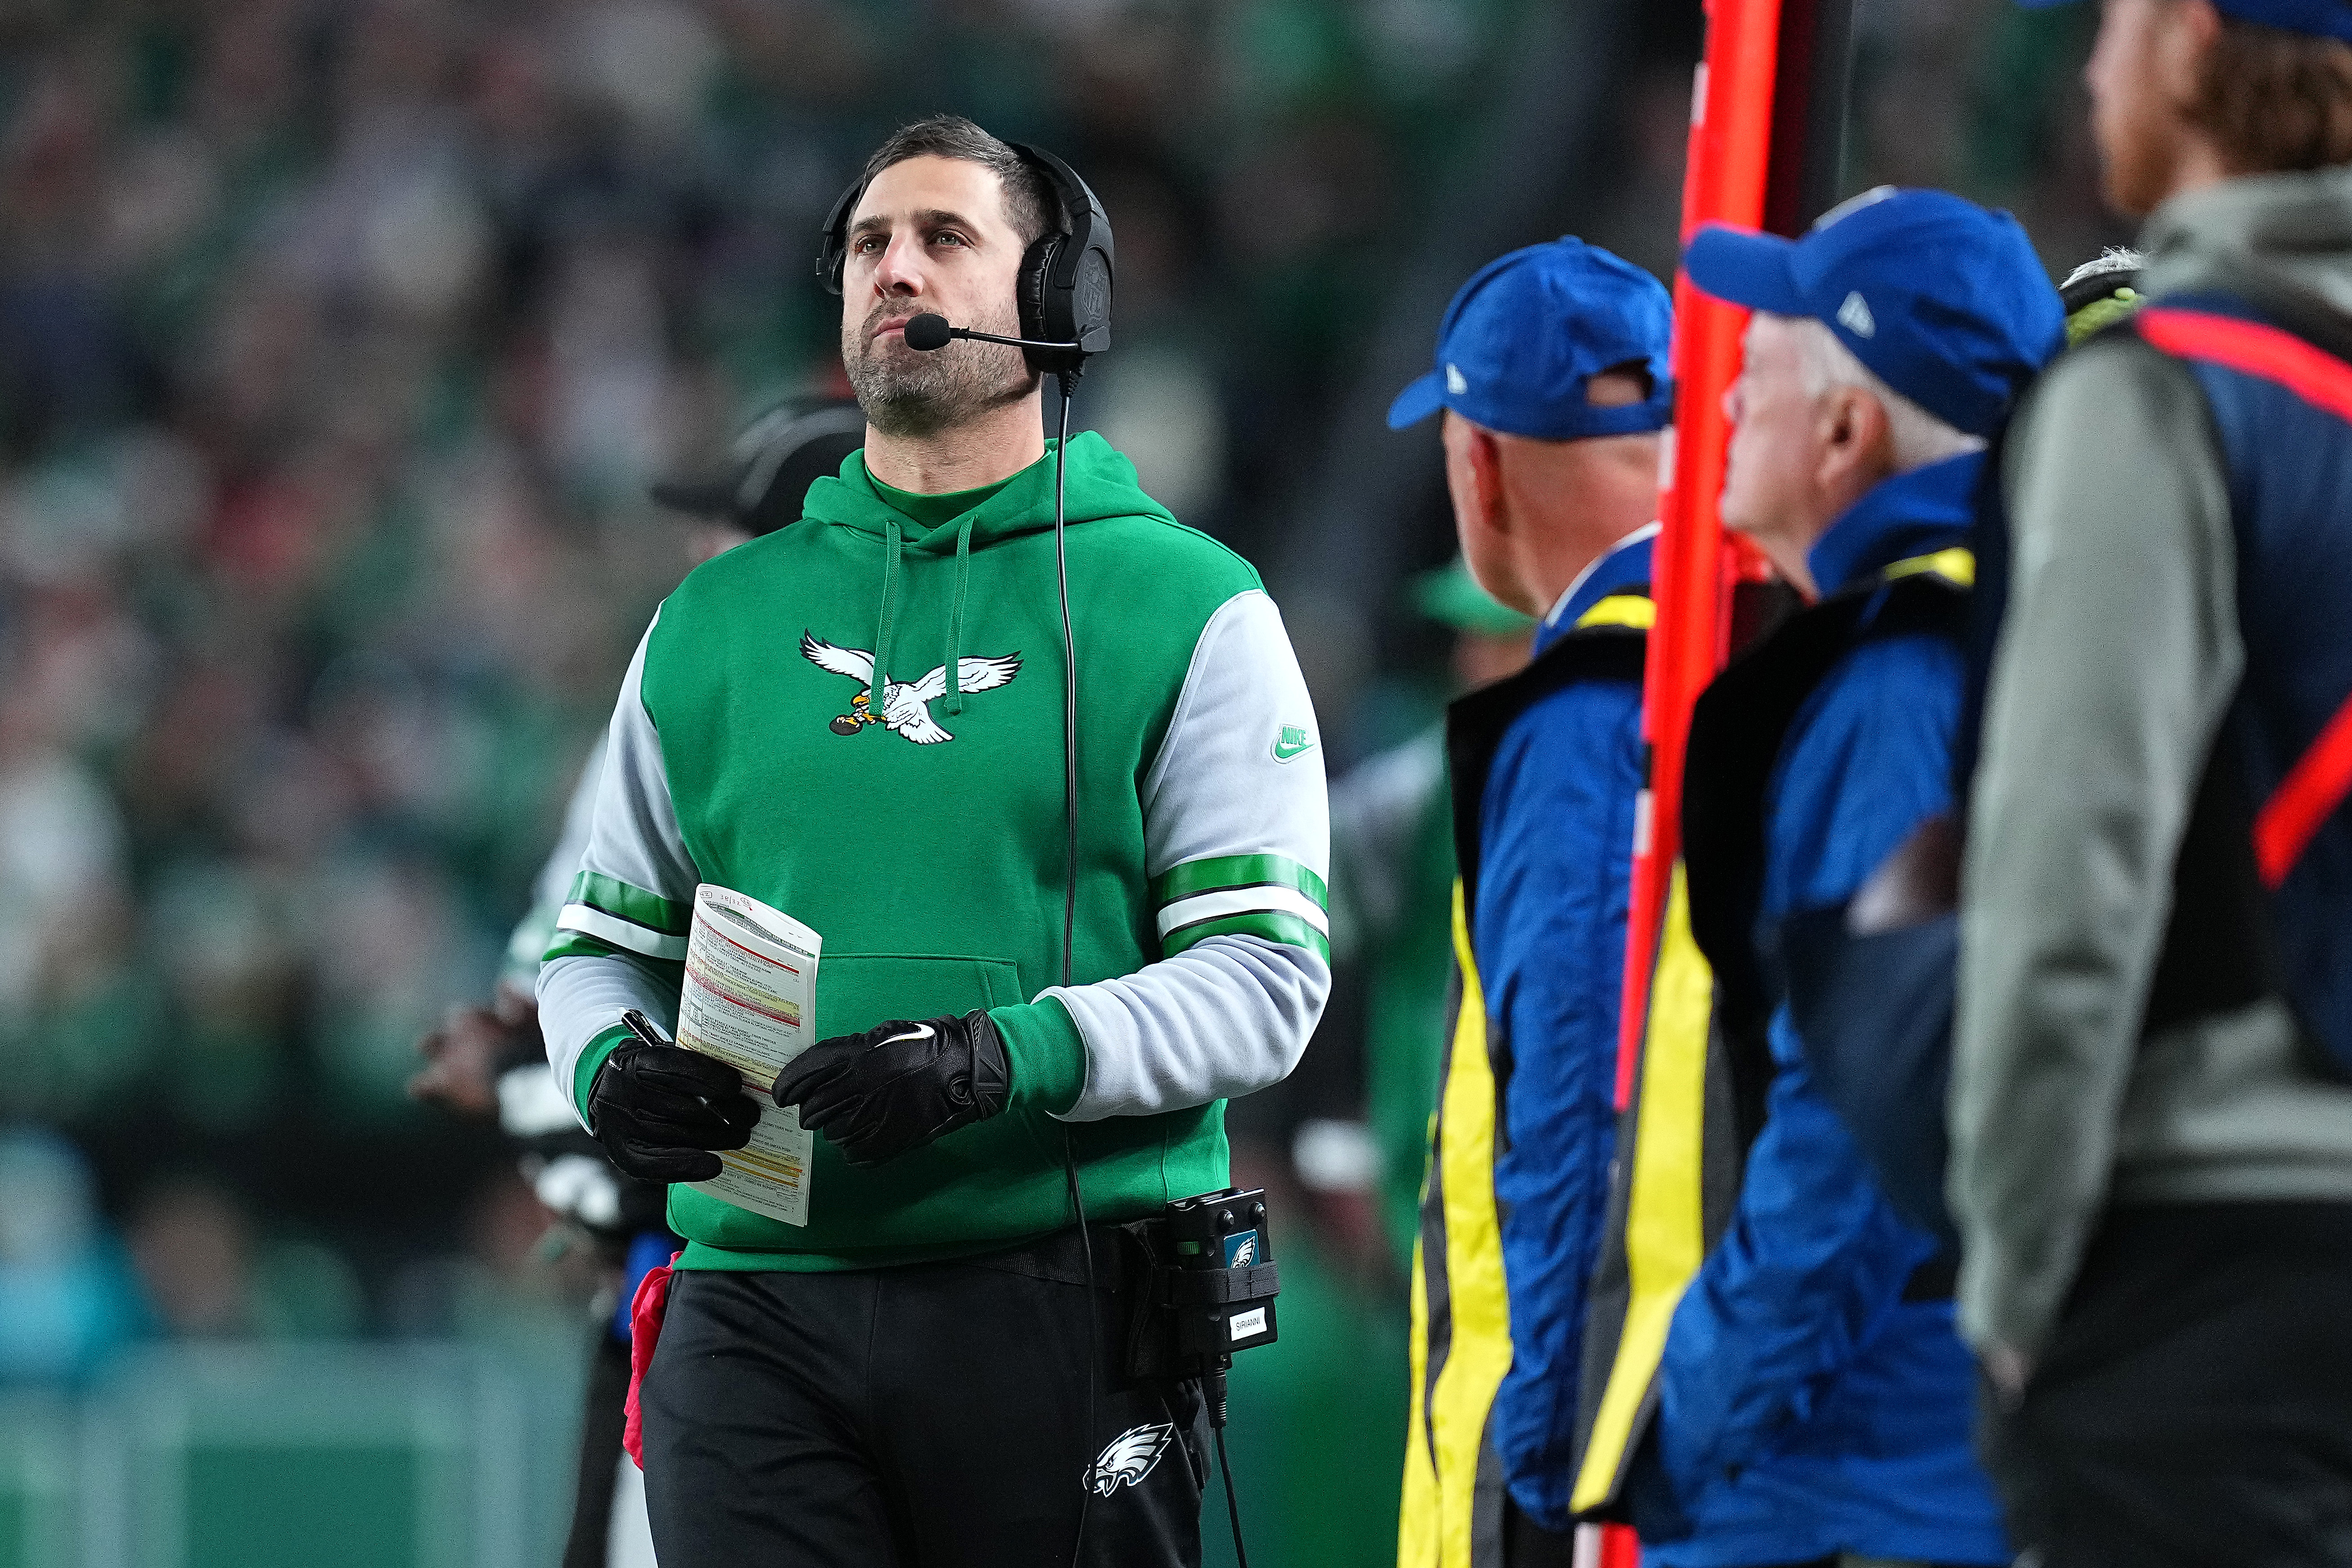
point(955, 615)
point(878, 687)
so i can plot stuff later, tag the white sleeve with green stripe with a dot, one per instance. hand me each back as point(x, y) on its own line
point(1236, 840)
point(620, 938)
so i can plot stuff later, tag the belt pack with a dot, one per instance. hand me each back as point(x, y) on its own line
point(1205, 1281)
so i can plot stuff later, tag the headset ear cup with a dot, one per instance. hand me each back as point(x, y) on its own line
point(1044, 309)
point(1034, 292)
point(1091, 297)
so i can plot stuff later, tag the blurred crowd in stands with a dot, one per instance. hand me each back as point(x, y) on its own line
point(337, 347)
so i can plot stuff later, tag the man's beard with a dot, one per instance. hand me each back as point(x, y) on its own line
point(907, 391)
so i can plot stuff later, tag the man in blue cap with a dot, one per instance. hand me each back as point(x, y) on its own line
point(2151, 1103)
point(1552, 378)
point(1812, 1401)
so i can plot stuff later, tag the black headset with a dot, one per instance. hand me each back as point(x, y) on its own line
point(1064, 286)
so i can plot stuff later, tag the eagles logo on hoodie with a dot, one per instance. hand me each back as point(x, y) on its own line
point(906, 704)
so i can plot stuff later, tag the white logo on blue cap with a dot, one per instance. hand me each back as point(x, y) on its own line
point(1853, 205)
point(1856, 317)
point(1456, 382)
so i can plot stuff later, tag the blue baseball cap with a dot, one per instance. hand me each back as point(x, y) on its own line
point(2323, 19)
point(1944, 301)
point(1529, 328)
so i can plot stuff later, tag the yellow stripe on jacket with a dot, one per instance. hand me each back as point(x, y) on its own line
point(1451, 1400)
point(1956, 566)
point(1638, 610)
point(1417, 1509)
point(1665, 1237)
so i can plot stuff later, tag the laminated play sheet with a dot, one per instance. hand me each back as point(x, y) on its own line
point(749, 1000)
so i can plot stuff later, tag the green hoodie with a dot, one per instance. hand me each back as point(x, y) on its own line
point(923, 836)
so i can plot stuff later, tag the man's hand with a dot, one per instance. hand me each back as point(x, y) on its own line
point(464, 1057)
point(660, 1109)
point(898, 1085)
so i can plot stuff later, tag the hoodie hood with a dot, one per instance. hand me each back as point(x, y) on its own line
point(2291, 230)
point(1098, 484)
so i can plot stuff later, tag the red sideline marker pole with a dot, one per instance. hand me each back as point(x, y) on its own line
point(1726, 181)
point(1730, 158)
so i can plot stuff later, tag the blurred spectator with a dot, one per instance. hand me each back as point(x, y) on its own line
point(521, 1282)
point(209, 1274)
point(66, 1299)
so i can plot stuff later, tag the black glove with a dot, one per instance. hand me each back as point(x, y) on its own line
point(898, 1085)
point(659, 1110)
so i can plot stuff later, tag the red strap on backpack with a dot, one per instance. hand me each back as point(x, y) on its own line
point(2322, 777)
point(646, 1310)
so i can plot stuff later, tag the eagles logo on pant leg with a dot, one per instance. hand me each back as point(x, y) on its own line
point(1130, 1458)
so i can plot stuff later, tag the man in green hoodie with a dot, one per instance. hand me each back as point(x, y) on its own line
point(859, 721)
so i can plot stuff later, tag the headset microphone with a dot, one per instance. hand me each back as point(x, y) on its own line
point(930, 331)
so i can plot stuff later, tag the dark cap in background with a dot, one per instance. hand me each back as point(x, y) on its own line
point(772, 465)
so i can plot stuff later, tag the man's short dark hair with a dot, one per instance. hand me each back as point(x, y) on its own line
point(1029, 203)
point(2275, 103)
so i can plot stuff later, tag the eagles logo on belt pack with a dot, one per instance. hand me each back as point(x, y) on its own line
point(906, 704)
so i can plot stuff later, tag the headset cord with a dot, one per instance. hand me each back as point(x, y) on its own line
point(1069, 382)
point(1233, 1506)
point(1093, 1347)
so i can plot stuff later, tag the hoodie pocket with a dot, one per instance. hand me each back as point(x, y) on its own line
point(854, 991)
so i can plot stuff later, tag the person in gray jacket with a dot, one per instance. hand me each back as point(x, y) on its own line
point(2151, 1097)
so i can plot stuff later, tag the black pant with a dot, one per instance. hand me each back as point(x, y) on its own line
point(2196, 1406)
point(1527, 1544)
point(929, 1416)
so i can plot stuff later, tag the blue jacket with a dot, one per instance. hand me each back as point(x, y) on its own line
point(1812, 1399)
point(2289, 463)
point(1548, 926)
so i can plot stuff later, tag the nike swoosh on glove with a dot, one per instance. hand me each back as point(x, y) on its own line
point(898, 1085)
point(660, 1109)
